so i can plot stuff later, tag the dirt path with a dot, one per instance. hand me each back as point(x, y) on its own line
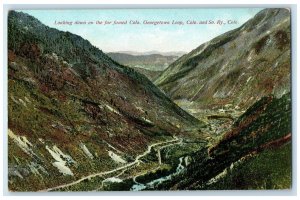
point(124, 167)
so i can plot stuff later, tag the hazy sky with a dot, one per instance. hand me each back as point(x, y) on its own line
point(146, 37)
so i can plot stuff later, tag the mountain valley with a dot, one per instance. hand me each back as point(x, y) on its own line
point(216, 118)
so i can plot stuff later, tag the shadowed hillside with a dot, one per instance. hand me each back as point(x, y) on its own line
point(73, 111)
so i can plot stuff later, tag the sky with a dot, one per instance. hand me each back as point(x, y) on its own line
point(142, 38)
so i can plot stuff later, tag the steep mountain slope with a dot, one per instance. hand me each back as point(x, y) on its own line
point(149, 65)
point(73, 111)
point(236, 68)
point(259, 140)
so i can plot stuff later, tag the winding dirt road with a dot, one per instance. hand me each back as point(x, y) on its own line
point(124, 167)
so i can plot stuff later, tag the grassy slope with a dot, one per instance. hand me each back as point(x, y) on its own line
point(271, 169)
point(265, 127)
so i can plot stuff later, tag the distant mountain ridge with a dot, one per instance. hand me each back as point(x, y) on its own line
point(153, 62)
point(150, 65)
point(136, 53)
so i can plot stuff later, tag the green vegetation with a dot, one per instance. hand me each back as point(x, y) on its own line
point(125, 185)
point(262, 129)
point(154, 174)
point(271, 169)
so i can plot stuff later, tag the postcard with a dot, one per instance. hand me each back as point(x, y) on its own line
point(149, 99)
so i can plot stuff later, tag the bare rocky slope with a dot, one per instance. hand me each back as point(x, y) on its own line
point(236, 68)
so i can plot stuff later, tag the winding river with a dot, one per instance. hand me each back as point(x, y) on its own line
point(139, 186)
